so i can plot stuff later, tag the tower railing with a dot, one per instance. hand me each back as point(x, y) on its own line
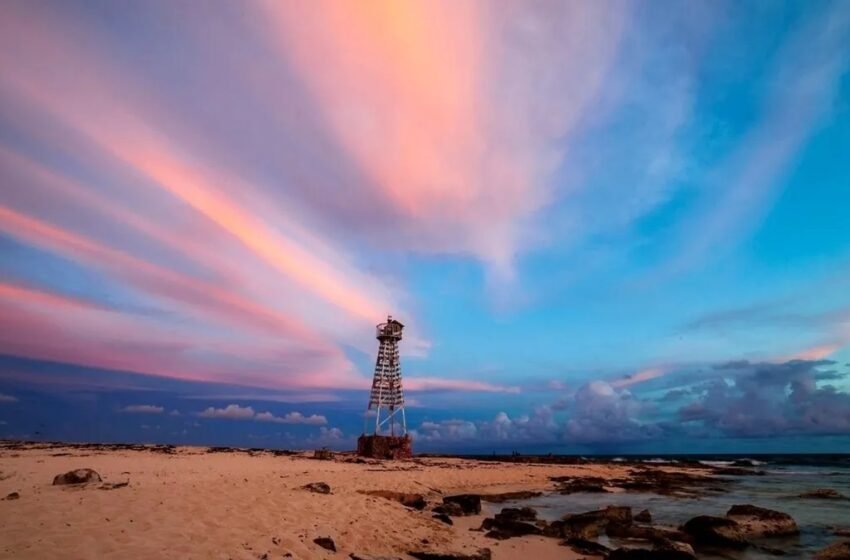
point(387, 396)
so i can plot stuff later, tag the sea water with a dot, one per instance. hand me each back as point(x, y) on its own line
point(778, 489)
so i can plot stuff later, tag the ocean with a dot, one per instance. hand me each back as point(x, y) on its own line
point(785, 478)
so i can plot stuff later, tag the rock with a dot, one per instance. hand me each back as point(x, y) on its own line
point(450, 508)
point(577, 485)
point(588, 524)
point(583, 546)
point(482, 554)
point(509, 496)
point(113, 485)
point(326, 542)
point(517, 514)
point(581, 525)
point(841, 532)
point(685, 550)
point(823, 494)
point(836, 551)
point(502, 529)
point(618, 514)
point(444, 518)
point(323, 454)
point(737, 471)
point(12, 496)
point(643, 517)
point(470, 504)
point(770, 550)
point(355, 556)
point(722, 532)
point(646, 554)
point(643, 532)
point(754, 521)
point(317, 487)
point(415, 501)
point(666, 483)
point(79, 476)
point(554, 530)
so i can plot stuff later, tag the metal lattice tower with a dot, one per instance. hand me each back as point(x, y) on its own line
point(387, 395)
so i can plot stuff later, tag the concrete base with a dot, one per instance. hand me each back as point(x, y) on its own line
point(385, 447)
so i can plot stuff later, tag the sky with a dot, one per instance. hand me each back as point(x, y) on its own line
point(608, 227)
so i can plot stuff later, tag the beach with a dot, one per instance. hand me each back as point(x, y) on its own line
point(195, 504)
point(198, 502)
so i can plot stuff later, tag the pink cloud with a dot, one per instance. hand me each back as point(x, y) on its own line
point(639, 377)
point(100, 104)
point(439, 384)
point(452, 112)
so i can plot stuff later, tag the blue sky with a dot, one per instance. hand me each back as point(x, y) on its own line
point(608, 227)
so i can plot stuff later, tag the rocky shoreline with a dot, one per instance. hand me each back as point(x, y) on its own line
point(445, 508)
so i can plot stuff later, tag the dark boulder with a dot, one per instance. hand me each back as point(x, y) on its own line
point(444, 518)
point(588, 524)
point(841, 532)
point(482, 554)
point(643, 517)
point(571, 485)
point(823, 494)
point(681, 549)
point(12, 496)
point(584, 546)
point(470, 504)
point(707, 530)
point(502, 529)
point(509, 496)
point(647, 554)
point(450, 508)
point(317, 487)
point(415, 501)
point(78, 476)
point(836, 551)
point(323, 454)
point(517, 514)
point(581, 525)
point(644, 532)
point(666, 483)
point(554, 529)
point(618, 514)
point(755, 522)
point(326, 542)
point(737, 471)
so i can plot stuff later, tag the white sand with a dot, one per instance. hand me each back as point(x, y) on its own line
point(195, 504)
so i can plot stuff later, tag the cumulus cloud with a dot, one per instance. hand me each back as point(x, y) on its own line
point(765, 399)
point(538, 426)
point(7, 398)
point(333, 434)
point(236, 412)
point(599, 412)
point(448, 430)
point(330, 437)
point(731, 399)
point(674, 395)
point(143, 409)
point(231, 411)
point(292, 418)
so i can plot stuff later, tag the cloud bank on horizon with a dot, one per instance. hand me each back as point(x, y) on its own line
point(604, 224)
